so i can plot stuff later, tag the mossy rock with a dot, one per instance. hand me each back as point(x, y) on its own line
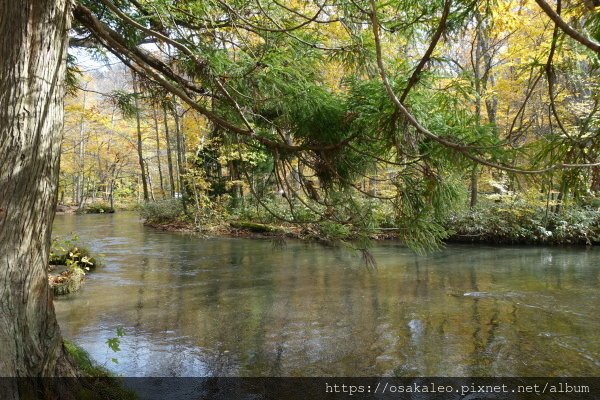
point(67, 282)
point(255, 227)
point(96, 208)
point(594, 202)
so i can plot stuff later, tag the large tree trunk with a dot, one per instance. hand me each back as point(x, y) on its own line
point(33, 45)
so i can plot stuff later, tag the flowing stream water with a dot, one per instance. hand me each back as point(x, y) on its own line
point(191, 306)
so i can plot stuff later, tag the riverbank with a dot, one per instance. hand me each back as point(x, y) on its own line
point(242, 229)
point(93, 208)
point(497, 224)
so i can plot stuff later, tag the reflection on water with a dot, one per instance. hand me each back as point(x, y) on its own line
point(236, 307)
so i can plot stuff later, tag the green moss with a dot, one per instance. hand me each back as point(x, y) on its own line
point(255, 227)
point(84, 361)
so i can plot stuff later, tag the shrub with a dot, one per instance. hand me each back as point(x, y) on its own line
point(333, 232)
point(66, 251)
point(75, 256)
point(519, 223)
point(163, 211)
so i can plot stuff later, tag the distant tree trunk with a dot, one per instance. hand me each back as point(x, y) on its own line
point(95, 193)
point(139, 138)
point(179, 145)
point(149, 178)
point(33, 46)
point(180, 159)
point(74, 199)
point(111, 188)
point(81, 156)
point(595, 185)
point(474, 186)
point(113, 171)
point(487, 77)
point(83, 194)
point(482, 69)
point(169, 155)
point(478, 94)
point(236, 189)
point(160, 174)
point(562, 195)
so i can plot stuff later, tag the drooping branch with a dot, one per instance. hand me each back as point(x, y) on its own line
point(157, 71)
point(551, 75)
point(462, 149)
point(566, 28)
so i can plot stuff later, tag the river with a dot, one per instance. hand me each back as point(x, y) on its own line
point(191, 306)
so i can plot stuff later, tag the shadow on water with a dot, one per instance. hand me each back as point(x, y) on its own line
point(238, 307)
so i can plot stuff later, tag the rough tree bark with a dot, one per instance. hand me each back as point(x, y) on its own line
point(33, 42)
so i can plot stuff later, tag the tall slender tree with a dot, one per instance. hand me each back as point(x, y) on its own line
point(157, 131)
point(139, 137)
point(169, 153)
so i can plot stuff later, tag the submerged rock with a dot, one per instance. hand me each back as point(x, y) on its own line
point(477, 294)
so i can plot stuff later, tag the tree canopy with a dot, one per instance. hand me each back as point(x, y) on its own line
point(408, 94)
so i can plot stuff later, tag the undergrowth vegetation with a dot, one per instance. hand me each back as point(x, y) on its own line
point(97, 208)
point(518, 223)
point(496, 220)
point(163, 211)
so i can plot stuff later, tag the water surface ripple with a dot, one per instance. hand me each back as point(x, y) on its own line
point(239, 307)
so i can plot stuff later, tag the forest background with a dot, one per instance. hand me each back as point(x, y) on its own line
point(474, 121)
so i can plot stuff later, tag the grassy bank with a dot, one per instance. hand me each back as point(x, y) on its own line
point(96, 382)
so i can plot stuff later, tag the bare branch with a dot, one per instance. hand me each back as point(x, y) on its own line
point(434, 41)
